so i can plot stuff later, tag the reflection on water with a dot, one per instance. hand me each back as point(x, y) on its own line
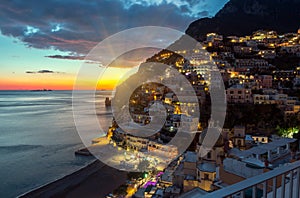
point(38, 138)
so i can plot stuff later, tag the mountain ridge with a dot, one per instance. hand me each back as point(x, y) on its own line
point(244, 17)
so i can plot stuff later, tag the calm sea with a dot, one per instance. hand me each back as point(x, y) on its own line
point(38, 138)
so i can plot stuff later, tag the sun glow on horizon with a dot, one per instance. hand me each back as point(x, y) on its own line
point(109, 81)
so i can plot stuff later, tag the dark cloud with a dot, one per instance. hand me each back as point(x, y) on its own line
point(92, 62)
point(66, 57)
point(44, 71)
point(78, 25)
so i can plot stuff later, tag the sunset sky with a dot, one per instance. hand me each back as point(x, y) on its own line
point(43, 44)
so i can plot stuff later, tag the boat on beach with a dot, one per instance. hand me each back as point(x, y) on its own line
point(83, 151)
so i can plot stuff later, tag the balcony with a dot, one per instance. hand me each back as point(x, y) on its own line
point(282, 182)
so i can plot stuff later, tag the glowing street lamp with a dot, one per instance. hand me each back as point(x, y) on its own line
point(145, 175)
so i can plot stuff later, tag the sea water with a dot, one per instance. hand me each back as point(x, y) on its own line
point(38, 138)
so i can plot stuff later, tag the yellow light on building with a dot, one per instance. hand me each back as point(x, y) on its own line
point(177, 110)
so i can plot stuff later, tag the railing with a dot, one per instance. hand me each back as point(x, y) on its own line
point(282, 182)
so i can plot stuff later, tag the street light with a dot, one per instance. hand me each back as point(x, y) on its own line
point(145, 175)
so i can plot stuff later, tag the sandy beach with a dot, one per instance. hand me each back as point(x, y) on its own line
point(94, 180)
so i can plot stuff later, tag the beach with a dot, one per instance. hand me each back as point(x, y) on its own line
point(94, 180)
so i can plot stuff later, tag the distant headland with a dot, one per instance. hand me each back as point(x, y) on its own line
point(39, 90)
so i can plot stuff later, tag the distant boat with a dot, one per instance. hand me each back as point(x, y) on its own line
point(107, 102)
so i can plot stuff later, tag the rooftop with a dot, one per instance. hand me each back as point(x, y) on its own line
point(236, 86)
point(207, 167)
point(172, 189)
point(263, 148)
point(248, 138)
point(196, 192)
point(190, 157)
